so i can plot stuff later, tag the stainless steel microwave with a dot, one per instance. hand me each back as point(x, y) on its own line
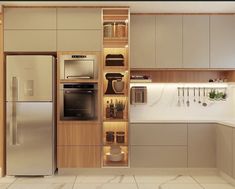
point(78, 66)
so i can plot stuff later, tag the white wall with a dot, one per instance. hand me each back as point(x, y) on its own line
point(162, 104)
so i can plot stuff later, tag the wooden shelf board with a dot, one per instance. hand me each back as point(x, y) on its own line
point(114, 120)
point(115, 68)
point(116, 144)
point(115, 95)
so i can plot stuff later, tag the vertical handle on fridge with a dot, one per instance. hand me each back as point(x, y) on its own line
point(13, 124)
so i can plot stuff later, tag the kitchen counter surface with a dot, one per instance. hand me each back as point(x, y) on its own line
point(229, 122)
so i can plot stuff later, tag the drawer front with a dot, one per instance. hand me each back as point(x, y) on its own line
point(79, 18)
point(79, 40)
point(78, 134)
point(78, 157)
point(158, 134)
point(30, 40)
point(158, 156)
point(30, 18)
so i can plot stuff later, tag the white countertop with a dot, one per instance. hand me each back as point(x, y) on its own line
point(230, 123)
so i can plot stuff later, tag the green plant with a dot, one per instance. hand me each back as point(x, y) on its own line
point(120, 106)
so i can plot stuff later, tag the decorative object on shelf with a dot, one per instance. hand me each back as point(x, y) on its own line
point(120, 137)
point(115, 154)
point(108, 30)
point(139, 95)
point(110, 137)
point(140, 78)
point(111, 77)
point(114, 60)
point(119, 107)
point(216, 95)
point(116, 110)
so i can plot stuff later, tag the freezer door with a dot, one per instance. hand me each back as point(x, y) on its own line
point(30, 139)
point(30, 76)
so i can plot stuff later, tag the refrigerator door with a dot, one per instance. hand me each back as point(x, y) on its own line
point(30, 138)
point(30, 76)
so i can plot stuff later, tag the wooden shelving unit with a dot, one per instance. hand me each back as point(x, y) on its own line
point(116, 45)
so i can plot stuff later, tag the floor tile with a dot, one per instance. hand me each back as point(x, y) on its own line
point(7, 179)
point(167, 178)
point(3, 186)
point(218, 186)
point(40, 186)
point(105, 186)
point(210, 179)
point(181, 186)
point(47, 179)
point(169, 186)
point(83, 179)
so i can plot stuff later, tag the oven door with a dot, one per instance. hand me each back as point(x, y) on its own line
point(78, 104)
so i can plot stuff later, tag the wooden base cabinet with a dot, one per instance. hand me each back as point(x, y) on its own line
point(78, 156)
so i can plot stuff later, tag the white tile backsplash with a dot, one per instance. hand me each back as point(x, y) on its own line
point(162, 103)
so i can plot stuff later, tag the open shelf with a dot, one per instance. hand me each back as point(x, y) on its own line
point(116, 49)
point(108, 163)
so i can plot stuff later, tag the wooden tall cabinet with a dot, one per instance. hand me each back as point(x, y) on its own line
point(222, 39)
point(196, 41)
point(142, 33)
point(2, 105)
point(169, 41)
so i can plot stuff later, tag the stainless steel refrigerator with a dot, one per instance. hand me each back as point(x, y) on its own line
point(30, 115)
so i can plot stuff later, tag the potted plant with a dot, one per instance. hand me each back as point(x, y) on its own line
point(119, 106)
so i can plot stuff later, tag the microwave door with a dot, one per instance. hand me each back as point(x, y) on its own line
point(31, 76)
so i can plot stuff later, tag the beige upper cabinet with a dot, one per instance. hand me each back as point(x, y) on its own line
point(222, 37)
point(79, 18)
point(169, 41)
point(142, 32)
point(30, 18)
point(29, 40)
point(196, 41)
point(79, 40)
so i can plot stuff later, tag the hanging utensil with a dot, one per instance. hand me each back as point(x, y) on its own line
point(183, 96)
point(199, 95)
point(188, 103)
point(178, 103)
point(204, 97)
point(194, 94)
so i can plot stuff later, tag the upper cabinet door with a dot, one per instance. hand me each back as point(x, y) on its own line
point(79, 40)
point(222, 38)
point(196, 41)
point(169, 41)
point(142, 33)
point(79, 18)
point(30, 18)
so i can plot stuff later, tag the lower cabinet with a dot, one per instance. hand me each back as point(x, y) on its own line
point(202, 145)
point(224, 144)
point(78, 145)
point(78, 156)
point(158, 156)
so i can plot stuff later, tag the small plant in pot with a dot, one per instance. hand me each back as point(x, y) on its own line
point(119, 106)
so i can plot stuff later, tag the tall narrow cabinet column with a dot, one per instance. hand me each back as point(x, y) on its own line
point(115, 146)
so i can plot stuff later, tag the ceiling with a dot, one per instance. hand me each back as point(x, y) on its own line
point(145, 6)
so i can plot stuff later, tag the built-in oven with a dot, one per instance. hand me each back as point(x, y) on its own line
point(78, 66)
point(78, 101)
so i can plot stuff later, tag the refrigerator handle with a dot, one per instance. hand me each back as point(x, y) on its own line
point(13, 125)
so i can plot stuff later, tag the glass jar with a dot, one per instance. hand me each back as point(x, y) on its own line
point(108, 30)
point(121, 30)
point(120, 137)
point(109, 136)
